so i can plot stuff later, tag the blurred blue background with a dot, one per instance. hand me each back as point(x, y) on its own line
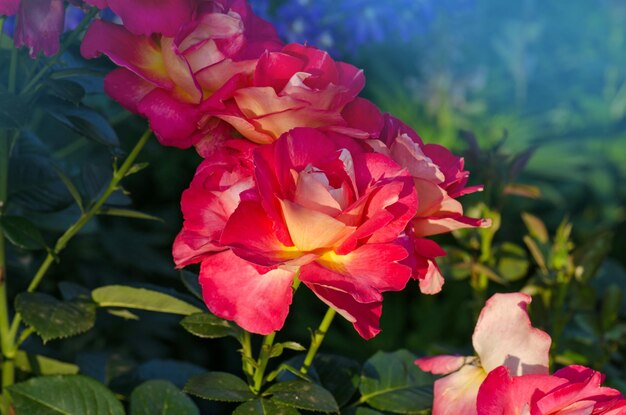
point(547, 74)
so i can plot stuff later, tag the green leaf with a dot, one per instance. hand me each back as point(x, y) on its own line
point(293, 346)
point(523, 190)
point(71, 188)
point(21, 232)
point(392, 382)
point(536, 228)
point(339, 375)
point(123, 313)
point(42, 365)
point(264, 407)
point(84, 121)
point(136, 168)
point(66, 90)
point(127, 213)
point(303, 395)
point(54, 319)
point(277, 349)
point(535, 251)
point(219, 386)
point(13, 111)
point(208, 326)
point(33, 181)
point(64, 394)
point(488, 272)
point(141, 299)
point(160, 397)
point(512, 261)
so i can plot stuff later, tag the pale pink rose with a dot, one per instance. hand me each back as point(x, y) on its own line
point(503, 336)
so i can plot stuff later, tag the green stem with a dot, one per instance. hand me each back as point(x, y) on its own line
point(8, 378)
point(264, 357)
point(6, 342)
point(66, 44)
point(317, 339)
point(2, 20)
point(246, 351)
point(560, 316)
point(62, 242)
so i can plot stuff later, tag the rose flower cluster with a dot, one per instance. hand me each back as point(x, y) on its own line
point(509, 375)
point(302, 180)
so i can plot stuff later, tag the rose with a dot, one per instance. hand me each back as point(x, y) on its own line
point(143, 17)
point(571, 390)
point(39, 24)
point(325, 210)
point(439, 178)
point(220, 182)
point(298, 86)
point(170, 79)
point(503, 336)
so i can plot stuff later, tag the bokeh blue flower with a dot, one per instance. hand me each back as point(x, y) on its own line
point(343, 27)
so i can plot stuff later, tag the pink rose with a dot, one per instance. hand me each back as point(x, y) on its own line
point(39, 24)
point(324, 210)
point(299, 86)
point(144, 17)
point(439, 178)
point(170, 79)
point(503, 336)
point(571, 390)
point(220, 182)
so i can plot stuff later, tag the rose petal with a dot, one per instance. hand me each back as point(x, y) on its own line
point(251, 233)
point(364, 115)
point(310, 229)
point(127, 88)
point(174, 122)
point(364, 273)
point(39, 25)
point(441, 365)
point(501, 394)
point(139, 54)
point(364, 317)
point(233, 289)
point(144, 17)
point(456, 393)
point(505, 336)
point(9, 7)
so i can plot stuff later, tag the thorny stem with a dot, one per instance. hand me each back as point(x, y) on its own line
point(62, 242)
point(6, 340)
point(246, 351)
point(317, 339)
point(264, 357)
